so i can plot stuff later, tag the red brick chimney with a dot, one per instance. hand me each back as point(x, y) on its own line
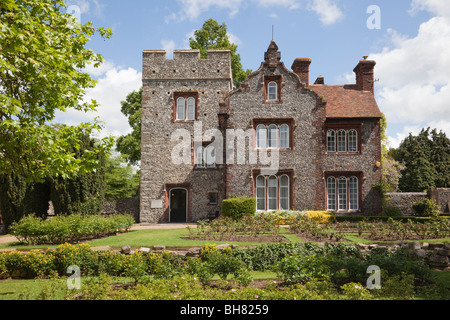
point(301, 67)
point(365, 74)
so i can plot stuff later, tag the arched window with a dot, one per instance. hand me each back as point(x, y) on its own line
point(352, 141)
point(272, 91)
point(284, 192)
point(261, 137)
point(273, 136)
point(341, 141)
point(331, 192)
point(190, 109)
point(272, 193)
point(331, 141)
point(261, 193)
point(342, 193)
point(181, 109)
point(200, 157)
point(353, 193)
point(284, 136)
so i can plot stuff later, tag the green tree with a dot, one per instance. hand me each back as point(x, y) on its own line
point(440, 157)
point(390, 168)
point(130, 144)
point(426, 157)
point(213, 35)
point(121, 180)
point(83, 193)
point(43, 50)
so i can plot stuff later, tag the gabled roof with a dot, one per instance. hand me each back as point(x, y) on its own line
point(347, 101)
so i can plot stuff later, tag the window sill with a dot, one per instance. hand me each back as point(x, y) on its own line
point(274, 149)
point(342, 153)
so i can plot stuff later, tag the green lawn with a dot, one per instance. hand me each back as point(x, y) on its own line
point(164, 237)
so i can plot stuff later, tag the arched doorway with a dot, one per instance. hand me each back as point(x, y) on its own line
point(178, 205)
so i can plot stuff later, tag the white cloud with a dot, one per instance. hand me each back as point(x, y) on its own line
point(440, 8)
point(234, 39)
point(327, 10)
point(290, 4)
point(192, 9)
point(113, 87)
point(414, 86)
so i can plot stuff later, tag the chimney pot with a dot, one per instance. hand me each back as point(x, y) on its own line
point(365, 74)
point(301, 67)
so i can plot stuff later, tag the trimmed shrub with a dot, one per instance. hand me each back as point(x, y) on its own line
point(426, 208)
point(73, 228)
point(238, 207)
point(322, 217)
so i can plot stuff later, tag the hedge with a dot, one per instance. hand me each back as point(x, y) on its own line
point(238, 207)
point(19, 198)
point(72, 228)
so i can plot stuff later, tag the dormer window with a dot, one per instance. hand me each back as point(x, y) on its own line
point(272, 89)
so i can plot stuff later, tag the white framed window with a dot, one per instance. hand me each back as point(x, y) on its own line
point(273, 136)
point(210, 155)
point(353, 141)
point(353, 193)
point(272, 193)
point(331, 141)
point(342, 193)
point(331, 193)
point(284, 136)
point(186, 106)
point(200, 157)
point(190, 109)
point(206, 157)
point(272, 91)
point(261, 136)
point(181, 109)
point(341, 141)
point(284, 192)
point(261, 193)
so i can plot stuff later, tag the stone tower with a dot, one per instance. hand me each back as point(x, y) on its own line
point(178, 95)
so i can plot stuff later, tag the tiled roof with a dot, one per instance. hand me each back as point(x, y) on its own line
point(346, 101)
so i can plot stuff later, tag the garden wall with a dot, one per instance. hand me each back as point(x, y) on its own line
point(404, 200)
point(125, 205)
point(442, 197)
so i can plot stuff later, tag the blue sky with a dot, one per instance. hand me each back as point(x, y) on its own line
point(411, 47)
